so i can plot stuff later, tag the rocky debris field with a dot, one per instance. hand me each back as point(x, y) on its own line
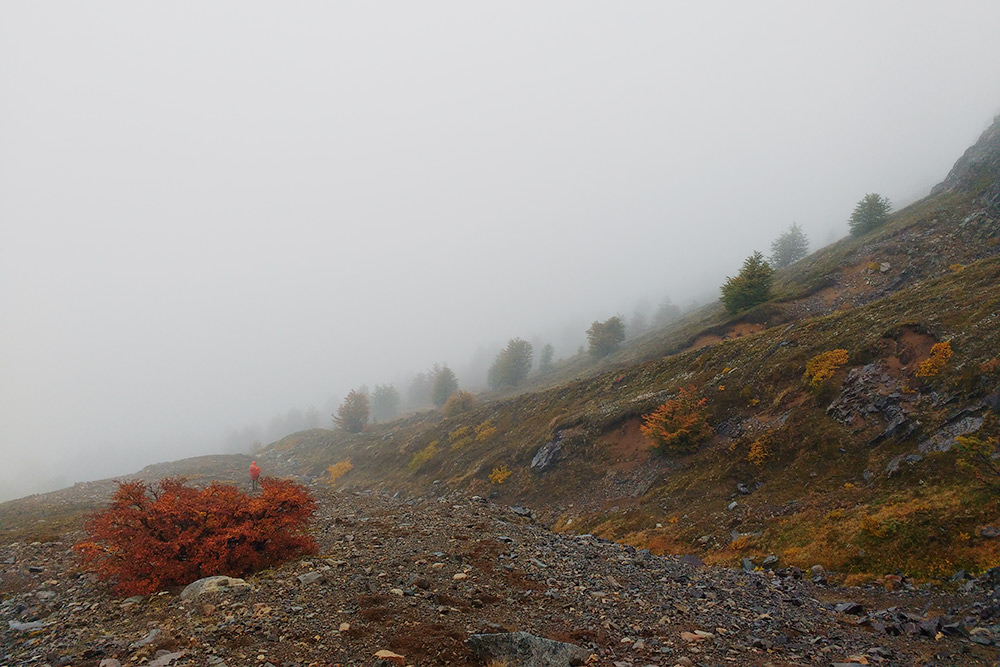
point(418, 580)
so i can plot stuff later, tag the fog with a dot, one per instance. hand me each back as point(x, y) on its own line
point(214, 213)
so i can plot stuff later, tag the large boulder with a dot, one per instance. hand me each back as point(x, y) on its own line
point(526, 650)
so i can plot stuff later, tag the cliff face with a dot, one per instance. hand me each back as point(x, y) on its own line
point(978, 168)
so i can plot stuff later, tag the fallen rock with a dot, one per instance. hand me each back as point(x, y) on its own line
point(526, 650)
point(989, 532)
point(213, 585)
point(310, 578)
point(389, 657)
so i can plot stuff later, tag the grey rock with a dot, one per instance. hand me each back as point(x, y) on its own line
point(943, 439)
point(913, 458)
point(25, 627)
point(212, 585)
point(989, 532)
point(110, 662)
point(770, 560)
point(310, 578)
point(747, 565)
point(165, 659)
point(732, 505)
point(691, 559)
point(526, 650)
point(852, 608)
point(547, 455)
point(153, 635)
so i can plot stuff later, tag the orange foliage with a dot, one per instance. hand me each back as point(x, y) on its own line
point(821, 368)
point(679, 425)
point(153, 538)
point(940, 354)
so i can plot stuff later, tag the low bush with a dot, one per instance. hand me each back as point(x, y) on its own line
point(821, 368)
point(459, 402)
point(500, 475)
point(940, 354)
point(152, 538)
point(338, 470)
point(679, 425)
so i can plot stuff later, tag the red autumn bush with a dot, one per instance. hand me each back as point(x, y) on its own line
point(679, 425)
point(153, 538)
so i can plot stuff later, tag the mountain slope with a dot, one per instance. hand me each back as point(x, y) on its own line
point(836, 486)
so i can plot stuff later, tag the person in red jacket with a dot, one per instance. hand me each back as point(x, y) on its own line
point(254, 474)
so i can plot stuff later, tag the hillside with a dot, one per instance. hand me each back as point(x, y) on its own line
point(859, 476)
point(856, 481)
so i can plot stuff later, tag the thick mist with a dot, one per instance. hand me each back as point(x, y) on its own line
point(214, 214)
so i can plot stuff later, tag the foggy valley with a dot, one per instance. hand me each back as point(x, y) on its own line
point(217, 220)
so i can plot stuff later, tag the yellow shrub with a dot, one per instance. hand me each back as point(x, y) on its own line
point(500, 475)
point(423, 456)
point(338, 470)
point(940, 354)
point(821, 368)
point(758, 452)
point(485, 431)
point(740, 543)
point(873, 526)
point(955, 268)
point(460, 437)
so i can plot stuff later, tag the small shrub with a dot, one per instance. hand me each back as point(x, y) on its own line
point(423, 456)
point(461, 437)
point(152, 538)
point(740, 543)
point(977, 455)
point(758, 452)
point(821, 368)
point(679, 425)
point(338, 470)
point(459, 402)
point(500, 475)
point(485, 431)
point(940, 354)
point(873, 527)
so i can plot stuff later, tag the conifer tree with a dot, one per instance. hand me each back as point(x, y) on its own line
point(751, 287)
point(445, 384)
point(790, 247)
point(871, 212)
point(352, 415)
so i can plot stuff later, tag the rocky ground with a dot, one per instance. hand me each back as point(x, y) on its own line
point(418, 578)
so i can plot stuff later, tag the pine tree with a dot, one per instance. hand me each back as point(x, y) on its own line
point(751, 287)
point(871, 212)
point(444, 385)
point(545, 357)
point(385, 403)
point(352, 415)
point(512, 365)
point(790, 247)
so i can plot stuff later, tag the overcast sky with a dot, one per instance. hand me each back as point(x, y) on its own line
point(211, 212)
